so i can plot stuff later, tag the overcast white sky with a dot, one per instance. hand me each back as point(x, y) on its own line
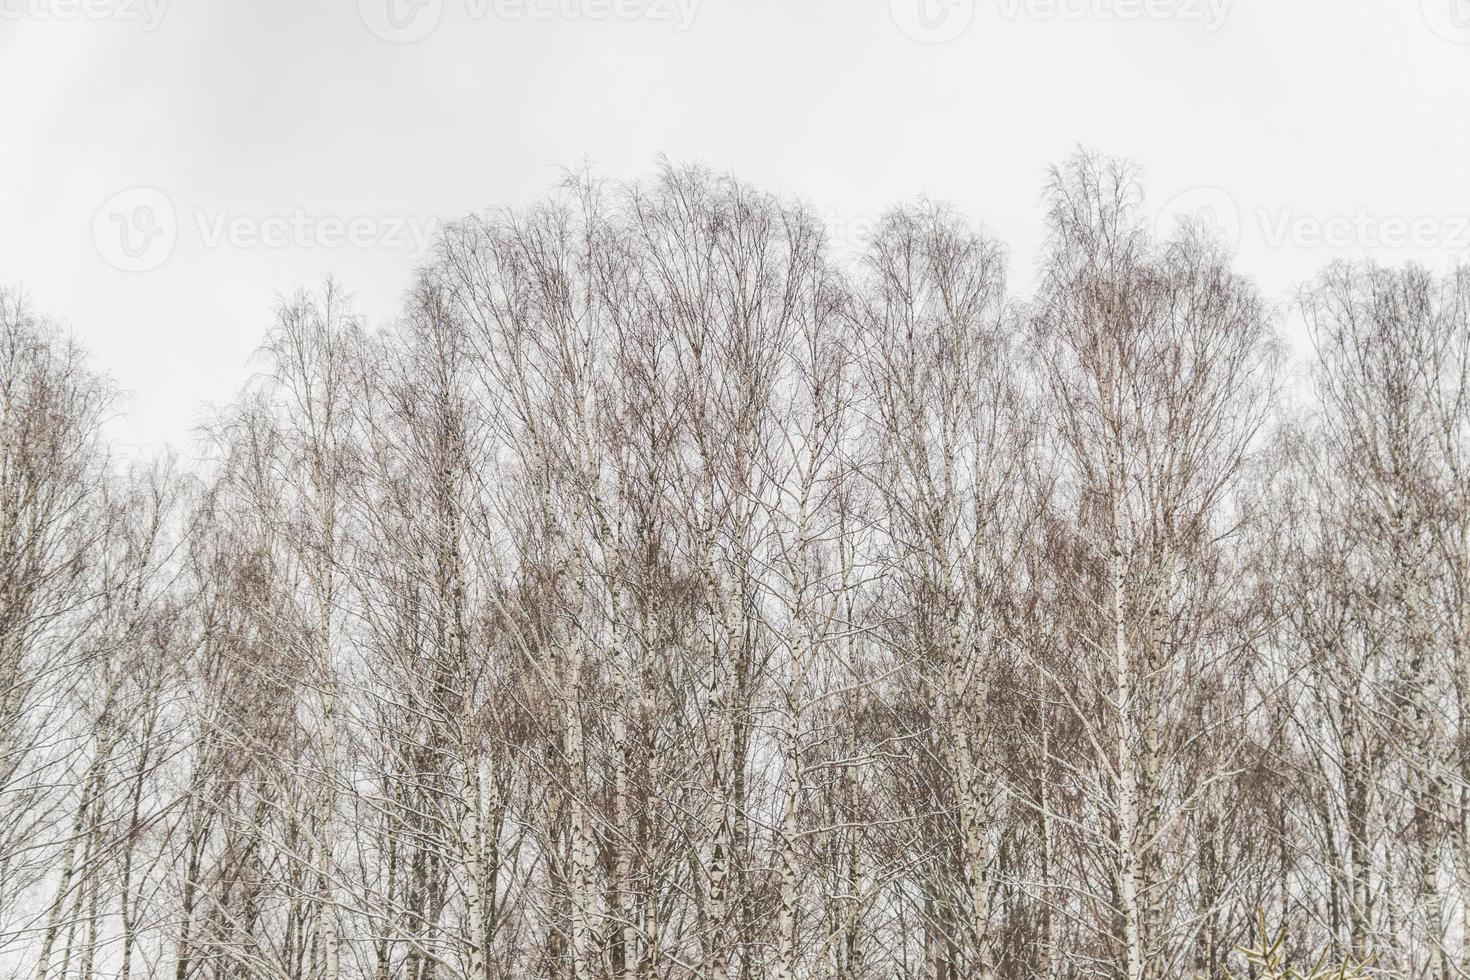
point(169, 167)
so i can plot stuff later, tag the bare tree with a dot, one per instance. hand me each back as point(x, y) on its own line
point(657, 598)
point(1158, 367)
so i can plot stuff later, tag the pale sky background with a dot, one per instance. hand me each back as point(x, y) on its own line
point(1349, 118)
